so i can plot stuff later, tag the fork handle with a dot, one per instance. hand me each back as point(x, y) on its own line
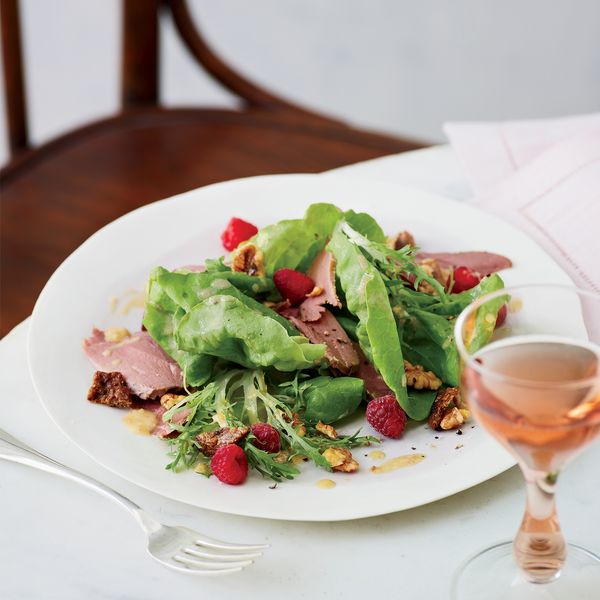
point(13, 450)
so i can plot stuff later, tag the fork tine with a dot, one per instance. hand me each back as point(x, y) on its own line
point(183, 568)
point(209, 564)
point(223, 557)
point(218, 545)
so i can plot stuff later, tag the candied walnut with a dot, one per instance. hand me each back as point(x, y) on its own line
point(110, 389)
point(466, 413)
point(326, 430)
point(211, 441)
point(403, 238)
point(247, 258)
point(168, 401)
point(419, 378)
point(448, 410)
point(441, 275)
point(341, 460)
point(297, 424)
point(452, 419)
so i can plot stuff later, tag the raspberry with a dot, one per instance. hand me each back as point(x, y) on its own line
point(267, 437)
point(293, 285)
point(502, 313)
point(230, 465)
point(385, 416)
point(236, 232)
point(464, 279)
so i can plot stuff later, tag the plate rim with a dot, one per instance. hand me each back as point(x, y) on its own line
point(504, 460)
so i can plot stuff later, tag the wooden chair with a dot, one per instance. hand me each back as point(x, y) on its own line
point(56, 195)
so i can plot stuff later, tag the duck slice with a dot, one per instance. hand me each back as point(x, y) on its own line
point(484, 263)
point(148, 371)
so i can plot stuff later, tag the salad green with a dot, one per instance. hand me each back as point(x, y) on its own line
point(245, 360)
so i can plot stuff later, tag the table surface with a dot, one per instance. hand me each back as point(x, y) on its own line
point(62, 541)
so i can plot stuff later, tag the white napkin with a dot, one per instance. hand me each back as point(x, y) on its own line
point(543, 176)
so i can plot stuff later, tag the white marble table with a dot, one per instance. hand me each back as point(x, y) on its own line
point(60, 541)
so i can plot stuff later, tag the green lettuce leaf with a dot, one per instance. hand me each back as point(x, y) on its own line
point(187, 289)
point(161, 319)
point(422, 401)
point(172, 295)
point(366, 225)
point(426, 325)
point(294, 243)
point(485, 318)
point(224, 327)
point(330, 399)
point(367, 298)
point(428, 340)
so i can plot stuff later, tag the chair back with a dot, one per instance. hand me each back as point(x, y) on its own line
point(140, 67)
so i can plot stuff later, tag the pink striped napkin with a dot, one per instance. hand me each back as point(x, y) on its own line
point(543, 176)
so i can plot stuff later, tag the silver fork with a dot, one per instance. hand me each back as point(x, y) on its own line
point(178, 548)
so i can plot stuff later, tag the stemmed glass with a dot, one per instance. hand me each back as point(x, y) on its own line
point(535, 386)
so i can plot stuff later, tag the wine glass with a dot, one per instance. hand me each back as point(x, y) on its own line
point(535, 386)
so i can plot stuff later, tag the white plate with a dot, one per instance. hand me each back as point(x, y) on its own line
point(185, 230)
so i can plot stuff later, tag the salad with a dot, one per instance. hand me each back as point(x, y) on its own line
point(252, 361)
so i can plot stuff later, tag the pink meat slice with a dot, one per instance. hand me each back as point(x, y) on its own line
point(147, 369)
point(322, 272)
point(312, 308)
point(326, 330)
point(484, 263)
point(374, 383)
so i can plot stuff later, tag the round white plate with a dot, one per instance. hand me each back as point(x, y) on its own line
point(185, 230)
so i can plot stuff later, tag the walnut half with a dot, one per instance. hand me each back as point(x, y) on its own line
point(247, 258)
point(211, 441)
point(327, 430)
point(448, 410)
point(340, 459)
point(403, 238)
point(431, 268)
point(419, 378)
point(168, 401)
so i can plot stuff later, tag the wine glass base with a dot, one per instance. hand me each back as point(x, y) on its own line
point(493, 574)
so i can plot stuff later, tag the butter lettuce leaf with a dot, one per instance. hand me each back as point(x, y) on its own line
point(422, 401)
point(426, 325)
point(224, 327)
point(188, 289)
point(485, 318)
point(161, 319)
point(366, 225)
point(367, 299)
point(172, 295)
point(294, 243)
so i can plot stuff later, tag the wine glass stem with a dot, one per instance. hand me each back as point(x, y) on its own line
point(539, 547)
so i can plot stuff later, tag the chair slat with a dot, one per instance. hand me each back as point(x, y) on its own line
point(139, 74)
point(16, 111)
